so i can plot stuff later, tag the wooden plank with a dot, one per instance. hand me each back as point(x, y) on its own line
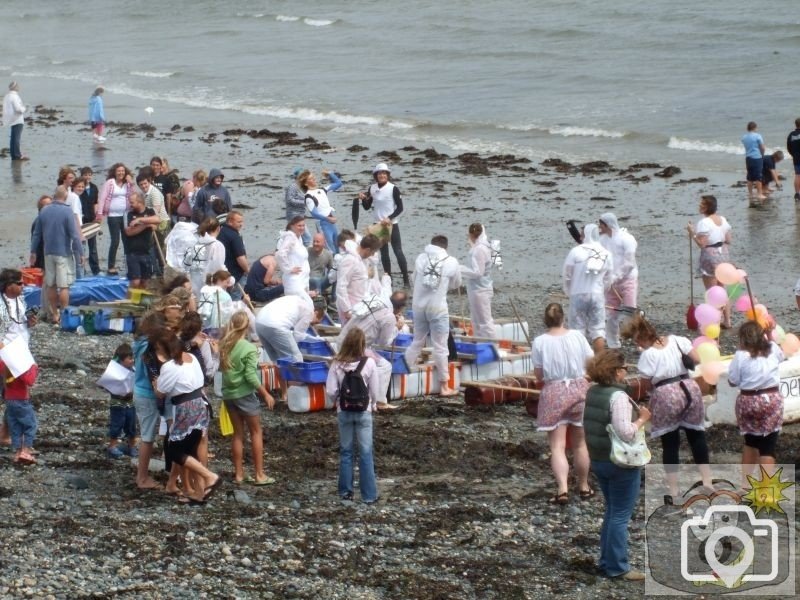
point(494, 386)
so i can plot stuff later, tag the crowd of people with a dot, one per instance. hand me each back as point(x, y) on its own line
point(188, 235)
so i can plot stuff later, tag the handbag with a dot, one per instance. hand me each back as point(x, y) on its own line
point(687, 361)
point(631, 454)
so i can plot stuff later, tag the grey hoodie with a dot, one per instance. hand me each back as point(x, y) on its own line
point(204, 199)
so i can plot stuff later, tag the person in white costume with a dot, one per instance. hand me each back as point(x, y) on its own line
point(477, 274)
point(625, 278)
point(434, 273)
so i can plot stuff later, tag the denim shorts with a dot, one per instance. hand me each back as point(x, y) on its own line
point(148, 416)
point(248, 406)
point(140, 266)
point(122, 419)
point(797, 168)
point(755, 168)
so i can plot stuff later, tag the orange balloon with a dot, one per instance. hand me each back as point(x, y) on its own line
point(790, 345)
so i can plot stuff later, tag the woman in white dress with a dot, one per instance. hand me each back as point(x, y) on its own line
point(292, 257)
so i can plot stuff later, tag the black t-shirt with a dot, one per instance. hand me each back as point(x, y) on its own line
point(234, 248)
point(141, 243)
point(164, 185)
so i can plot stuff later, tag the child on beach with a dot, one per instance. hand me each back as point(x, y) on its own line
point(20, 416)
point(122, 413)
point(97, 116)
point(240, 383)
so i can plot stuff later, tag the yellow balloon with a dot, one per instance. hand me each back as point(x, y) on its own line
point(708, 352)
point(712, 331)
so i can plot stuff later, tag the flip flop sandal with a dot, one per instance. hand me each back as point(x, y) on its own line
point(209, 491)
point(560, 499)
point(586, 494)
point(267, 481)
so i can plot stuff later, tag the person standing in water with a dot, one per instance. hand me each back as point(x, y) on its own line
point(754, 160)
point(97, 115)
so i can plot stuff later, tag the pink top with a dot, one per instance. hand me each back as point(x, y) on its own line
point(104, 202)
point(621, 409)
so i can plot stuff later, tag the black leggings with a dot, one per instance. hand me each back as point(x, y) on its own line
point(671, 443)
point(397, 248)
point(179, 450)
point(765, 444)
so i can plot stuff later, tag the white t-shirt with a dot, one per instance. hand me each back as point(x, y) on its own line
point(662, 363)
point(748, 373)
point(288, 313)
point(291, 253)
point(119, 200)
point(177, 379)
point(74, 202)
point(716, 233)
point(561, 356)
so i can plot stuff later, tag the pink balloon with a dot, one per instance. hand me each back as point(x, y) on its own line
point(702, 340)
point(717, 296)
point(726, 274)
point(743, 303)
point(711, 371)
point(707, 314)
point(761, 310)
point(742, 274)
point(790, 345)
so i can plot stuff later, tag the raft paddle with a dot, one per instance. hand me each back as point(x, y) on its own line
point(691, 321)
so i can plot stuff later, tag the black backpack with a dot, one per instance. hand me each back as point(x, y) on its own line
point(353, 392)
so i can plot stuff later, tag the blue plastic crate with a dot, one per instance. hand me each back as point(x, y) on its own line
point(71, 319)
point(484, 352)
point(305, 372)
point(103, 322)
point(317, 348)
point(403, 340)
point(397, 359)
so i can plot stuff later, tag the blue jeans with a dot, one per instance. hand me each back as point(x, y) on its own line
point(319, 284)
point(115, 226)
point(22, 424)
point(356, 426)
point(331, 233)
point(122, 419)
point(307, 238)
point(236, 290)
point(265, 294)
point(94, 261)
point(14, 144)
point(620, 489)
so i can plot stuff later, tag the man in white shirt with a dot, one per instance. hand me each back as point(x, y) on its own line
point(14, 117)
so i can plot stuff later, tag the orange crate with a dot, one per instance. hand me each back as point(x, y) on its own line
point(32, 276)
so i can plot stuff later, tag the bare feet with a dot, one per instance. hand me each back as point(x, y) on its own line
point(447, 392)
point(148, 484)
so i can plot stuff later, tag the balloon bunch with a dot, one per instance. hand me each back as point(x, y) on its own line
point(709, 316)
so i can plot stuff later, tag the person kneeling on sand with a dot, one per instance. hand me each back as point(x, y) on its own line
point(434, 273)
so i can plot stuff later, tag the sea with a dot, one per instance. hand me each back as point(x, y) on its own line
point(618, 80)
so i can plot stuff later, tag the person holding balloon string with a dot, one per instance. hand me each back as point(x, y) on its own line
point(713, 236)
point(759, 405)
point(676, 401)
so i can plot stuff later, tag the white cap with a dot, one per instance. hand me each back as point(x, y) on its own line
point(381, 167)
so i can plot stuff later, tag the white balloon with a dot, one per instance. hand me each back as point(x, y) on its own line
point(149, 110)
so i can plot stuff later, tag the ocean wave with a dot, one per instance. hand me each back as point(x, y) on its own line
point(153, 74)
point(677, 143)
point(287, 18)
point(585, 132)
point(319, 22)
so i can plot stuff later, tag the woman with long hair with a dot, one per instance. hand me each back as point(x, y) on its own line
point(607, 402)
point(675, 400)
point(477, 274)
point(319, 206)
point(713, 236)
point(559, 359)
point(355, 426)
point(240, 384)
point(182, 380)
point(114, 202)
point(187, 192)
point(292, 257)
point(759, 405)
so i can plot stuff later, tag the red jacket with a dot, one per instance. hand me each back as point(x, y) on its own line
point(19, 388)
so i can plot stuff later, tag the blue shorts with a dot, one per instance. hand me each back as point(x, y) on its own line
point(755, 168)
point(797, 168)
point(122, 419)
point(140, 266)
